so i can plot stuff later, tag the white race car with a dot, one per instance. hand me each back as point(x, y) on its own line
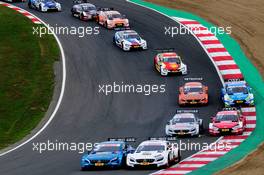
point(156, 153)
point(184, 124)
point(44, 5)
point(128, 40)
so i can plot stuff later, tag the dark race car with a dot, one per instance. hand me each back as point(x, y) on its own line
point(84, 11)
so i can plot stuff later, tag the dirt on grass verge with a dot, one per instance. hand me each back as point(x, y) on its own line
point(247, 21)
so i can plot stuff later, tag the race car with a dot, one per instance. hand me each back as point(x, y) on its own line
point(111, 154)
point(44, 5)
point(183, 124)
point(128, 40)
point(157, 153)
point(169, 62)
point(84, 11)
point(193, 93)
point(111, 19)
point(226, 122)
point(237, 93)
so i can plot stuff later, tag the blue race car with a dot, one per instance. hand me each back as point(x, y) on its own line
point(44, 5)
point(237, 93)
point(110, 154)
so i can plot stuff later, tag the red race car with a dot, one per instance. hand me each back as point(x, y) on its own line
point(227, 122)
point(193, 93)
point(169, 62)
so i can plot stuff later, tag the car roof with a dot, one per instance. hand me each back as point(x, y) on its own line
point(184, 115)
point(112, 142)
point(193, 84)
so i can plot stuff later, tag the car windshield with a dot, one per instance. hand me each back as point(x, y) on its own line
point(172, 60)
point(188, 89)
point(106, 148)
point(88, 8)
point(113, 16)
point(182, 120)
point(150, 148)
point(132, 36)
point(236, 89)
point(220, 118)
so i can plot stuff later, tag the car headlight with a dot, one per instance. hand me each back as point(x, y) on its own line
point(213, 127)
point(236, 127)
point(163, 68)
point(249, 97)
point(85, 160)
point(132, 159)
point(227, 98)
point(114, 159)
point(159, 157)
point(193, 129)
point(183, 67)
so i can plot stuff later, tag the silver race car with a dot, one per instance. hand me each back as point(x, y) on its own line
point(184, 124)
point(157, 153)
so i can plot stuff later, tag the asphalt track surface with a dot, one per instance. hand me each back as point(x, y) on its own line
point(88, 116)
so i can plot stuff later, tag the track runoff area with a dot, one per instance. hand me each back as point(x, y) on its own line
point(164, 151)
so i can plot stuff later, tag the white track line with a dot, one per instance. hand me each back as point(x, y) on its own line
point(60, 97)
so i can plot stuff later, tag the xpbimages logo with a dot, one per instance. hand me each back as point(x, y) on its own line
point(65, 30)
point(146, 89)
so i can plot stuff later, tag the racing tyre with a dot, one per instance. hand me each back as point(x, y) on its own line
point(29, 5)
point(105, 24)
point(97, 19)
point(83, 169)
point(179, 157)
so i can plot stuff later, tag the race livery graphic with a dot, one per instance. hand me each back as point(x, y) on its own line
point(156, 153)
point(169, 62)
point(184, 124)
point(128, 40)
point(44, 5)
point(84, 11)
point(237, 93)
point(107, 154)
point(193, 93)
point(228, 121)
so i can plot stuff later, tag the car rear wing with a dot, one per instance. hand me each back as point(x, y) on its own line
point(104, 9)
point(182, 111)
point(165, 50)
point(230, 109)
point(124, 139)
point(163, 138)
point(121, 28)
point(80, 1)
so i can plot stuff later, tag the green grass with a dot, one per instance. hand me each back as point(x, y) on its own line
point(26, 76)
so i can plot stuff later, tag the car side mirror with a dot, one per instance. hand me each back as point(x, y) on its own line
point(212, 119)
point(169, 122)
